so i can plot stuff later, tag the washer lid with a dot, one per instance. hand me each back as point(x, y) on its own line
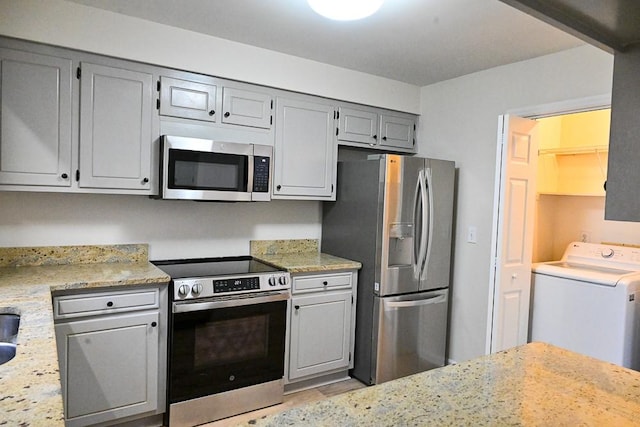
point(583, 272)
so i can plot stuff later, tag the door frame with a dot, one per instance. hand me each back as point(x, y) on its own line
point(576, 105)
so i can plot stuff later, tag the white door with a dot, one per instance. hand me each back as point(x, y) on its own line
point(513, 233)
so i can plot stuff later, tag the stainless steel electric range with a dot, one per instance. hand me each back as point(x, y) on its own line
point(226, 339)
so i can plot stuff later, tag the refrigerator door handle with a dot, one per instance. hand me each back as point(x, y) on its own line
point(427, 213)
point(435, 298)
point(420, 230)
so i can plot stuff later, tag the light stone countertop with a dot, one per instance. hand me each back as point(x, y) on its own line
point(30, 392)
point(299, 256)
point(532, 385)
point(309, 262)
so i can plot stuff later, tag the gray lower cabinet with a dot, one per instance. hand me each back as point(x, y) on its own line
point(322, 326)
point(35, 119)
point(305, 149)
point(115, 127)
point(112, 356)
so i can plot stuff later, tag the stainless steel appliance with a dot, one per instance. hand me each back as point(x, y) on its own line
point(202, 169)
point(226, 339)
point(394, 215)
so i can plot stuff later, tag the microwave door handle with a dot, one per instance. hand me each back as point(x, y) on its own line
point(250, 173)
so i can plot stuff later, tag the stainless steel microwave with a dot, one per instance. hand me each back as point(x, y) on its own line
point(202, 169)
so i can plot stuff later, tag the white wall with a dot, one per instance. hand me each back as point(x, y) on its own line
point(565, 218)
point(62, 23)
point(459, 122)
point(173, 228)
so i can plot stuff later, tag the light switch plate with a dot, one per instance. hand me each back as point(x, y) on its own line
point(472, 235)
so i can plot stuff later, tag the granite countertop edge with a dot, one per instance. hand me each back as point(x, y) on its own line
point(30, 388)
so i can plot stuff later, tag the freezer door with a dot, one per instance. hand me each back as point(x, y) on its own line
point(411, 334)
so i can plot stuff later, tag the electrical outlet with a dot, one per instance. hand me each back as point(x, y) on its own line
point(472, 235)
point(585, 236)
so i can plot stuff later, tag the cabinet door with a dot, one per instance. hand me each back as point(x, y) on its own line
point(115, 128)
point(35, 119)
point(358, 126)
point(246, 108)
point(108, 367)
point(187, 99)
point(397, 132)
point(304, 151)
point(320, 333)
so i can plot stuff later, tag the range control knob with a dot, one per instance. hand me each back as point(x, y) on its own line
point(282, 280)
point(272, 281)
point(607, 253)
point(183, 290)
point(196, 289)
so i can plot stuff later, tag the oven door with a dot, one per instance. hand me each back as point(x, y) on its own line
point(222, 344)
point(200, 169)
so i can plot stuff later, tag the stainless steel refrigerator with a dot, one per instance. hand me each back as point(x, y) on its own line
point(394, 214)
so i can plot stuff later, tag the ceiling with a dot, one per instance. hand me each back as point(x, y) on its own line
point(414, 41)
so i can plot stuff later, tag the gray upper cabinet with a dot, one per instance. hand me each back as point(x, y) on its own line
point(188, 99)
point(115, 128)
point(358, 126)
point(35, 120)
point(376, 128)
point(397, 131)
point(305, 151)
point(246, 108)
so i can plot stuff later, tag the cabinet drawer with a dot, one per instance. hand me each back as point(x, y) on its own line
point(107, 302)
point(322, 281)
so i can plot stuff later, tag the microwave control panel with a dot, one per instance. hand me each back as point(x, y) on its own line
point(261, 174)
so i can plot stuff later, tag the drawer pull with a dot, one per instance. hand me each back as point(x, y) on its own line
point(297, 307)
point(154, 324)
point(325, 283)
point(110, 304)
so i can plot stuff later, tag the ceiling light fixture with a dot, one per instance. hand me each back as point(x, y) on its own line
point(345, 10)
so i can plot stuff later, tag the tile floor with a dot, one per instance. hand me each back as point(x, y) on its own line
point(292, 400)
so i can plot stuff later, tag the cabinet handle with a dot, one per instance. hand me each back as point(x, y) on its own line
point(64, 176)
point(375, 136)
point(212, 112)
point(384, 138)
point(154, 324)
point(297, 307)
point(145, 180)
point(110, 304)
point(278, 187)
point(227, 114)
point(325, 283)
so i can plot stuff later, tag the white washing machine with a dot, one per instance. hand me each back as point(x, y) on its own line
point(588, 302)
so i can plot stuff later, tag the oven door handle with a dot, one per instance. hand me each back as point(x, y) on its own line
point(189, 306)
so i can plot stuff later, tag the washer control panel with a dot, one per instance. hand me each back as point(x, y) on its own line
point(605, 255)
